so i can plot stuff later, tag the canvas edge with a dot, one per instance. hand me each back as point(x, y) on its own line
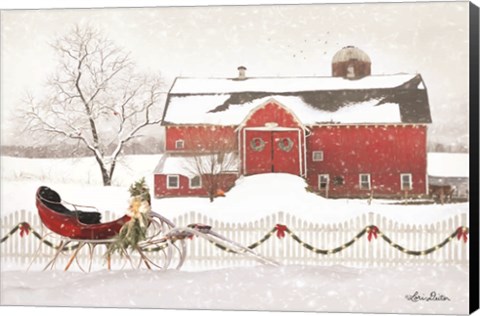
point(474, 157)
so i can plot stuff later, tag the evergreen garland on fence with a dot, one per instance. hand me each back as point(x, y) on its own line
point(25, 229)
point(373, 232)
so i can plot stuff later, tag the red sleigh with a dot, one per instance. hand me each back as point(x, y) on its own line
point(67, 224)
point(85, 229)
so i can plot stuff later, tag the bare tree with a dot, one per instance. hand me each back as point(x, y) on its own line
point(214, 163)
point(95, 98)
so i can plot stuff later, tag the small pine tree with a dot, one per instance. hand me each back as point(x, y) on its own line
point(140, 188)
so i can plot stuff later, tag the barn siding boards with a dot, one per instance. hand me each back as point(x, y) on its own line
point(208, 138)
point(384, 152)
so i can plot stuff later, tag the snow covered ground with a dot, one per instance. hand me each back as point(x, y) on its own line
point(305, 288)
point(288, 288)
point(254, 197)
point(78, 181)
point(83, 170)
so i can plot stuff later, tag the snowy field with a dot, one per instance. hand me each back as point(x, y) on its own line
point(290, 288)
point(83, 170)
point(293, 288)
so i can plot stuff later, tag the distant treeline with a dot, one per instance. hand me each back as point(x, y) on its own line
point(147, 146)
point(447, 148)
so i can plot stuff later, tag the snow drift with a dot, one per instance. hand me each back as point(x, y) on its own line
point(256, 196)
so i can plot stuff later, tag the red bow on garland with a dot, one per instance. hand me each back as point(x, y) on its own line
point(24, 229)
point(280, 230)
point(372, 232)
point(462, 232)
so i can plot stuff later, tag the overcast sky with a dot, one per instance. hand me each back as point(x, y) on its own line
point(426, 38)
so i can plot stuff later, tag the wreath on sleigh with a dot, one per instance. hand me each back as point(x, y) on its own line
point(135, 230)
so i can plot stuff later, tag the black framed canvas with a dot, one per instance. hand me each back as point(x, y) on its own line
point(248, 157)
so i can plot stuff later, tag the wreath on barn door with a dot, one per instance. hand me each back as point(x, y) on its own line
point(285, 144)
point(257, 144)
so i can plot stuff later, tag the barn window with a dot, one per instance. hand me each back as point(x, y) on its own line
point(350, 71)
point(317, 155)
point(173, 182)
point(179, 144)
point(338, 180)
point(364, 181)
point(406, 181)
point(323, 180)
point(195, 182)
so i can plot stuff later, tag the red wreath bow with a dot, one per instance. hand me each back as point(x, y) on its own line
point(373, 231)
point(462, 232)
point(24, 229)
point(281, 230)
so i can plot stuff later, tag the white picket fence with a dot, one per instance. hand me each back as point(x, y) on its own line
point(202, 254)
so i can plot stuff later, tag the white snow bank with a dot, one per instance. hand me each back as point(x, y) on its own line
point(287, 288)
point(448, 165)
point(286, 84)
point(257, 196)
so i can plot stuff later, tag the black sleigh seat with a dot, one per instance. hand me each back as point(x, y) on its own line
point(52, 200)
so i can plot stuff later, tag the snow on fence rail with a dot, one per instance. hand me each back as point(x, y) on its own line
point(202, 254)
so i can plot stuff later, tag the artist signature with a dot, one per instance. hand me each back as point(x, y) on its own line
point(431, 297)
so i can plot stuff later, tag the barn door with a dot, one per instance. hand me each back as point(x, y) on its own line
point(286, 152)
point(272, 151)
point(258, 152)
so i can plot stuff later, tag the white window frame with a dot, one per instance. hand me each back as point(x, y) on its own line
point(195, 187)
point(168, 181)
point(410, 180)
point(319, 152)
point(325, 175)
point(178, 142)
point(369, 181)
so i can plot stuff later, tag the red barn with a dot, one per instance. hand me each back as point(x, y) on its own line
point(349, 135)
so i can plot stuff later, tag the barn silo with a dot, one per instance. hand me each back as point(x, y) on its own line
point(351, 62)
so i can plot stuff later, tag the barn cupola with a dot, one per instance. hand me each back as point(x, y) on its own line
point(351, 63)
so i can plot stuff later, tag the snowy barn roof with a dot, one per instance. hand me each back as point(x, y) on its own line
point(314, 100)
point(284, 84)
